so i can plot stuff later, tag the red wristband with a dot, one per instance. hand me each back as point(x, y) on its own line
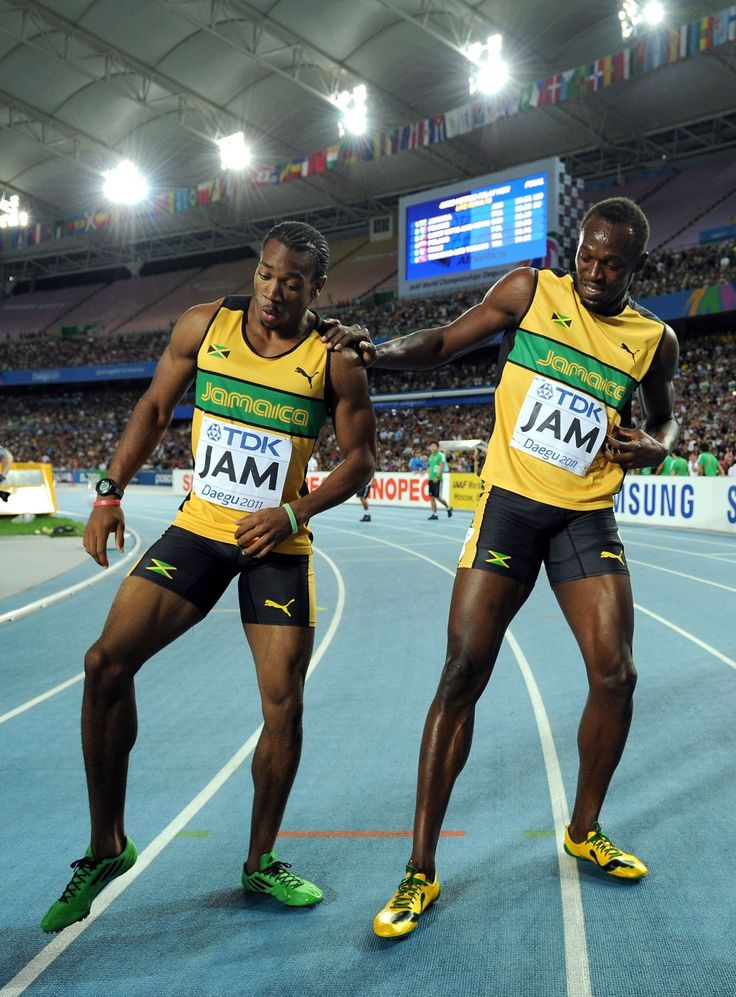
point(98, 503)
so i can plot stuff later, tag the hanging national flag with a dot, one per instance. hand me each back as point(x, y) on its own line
point(437, 129)
point(317, 162)
point(549, 92)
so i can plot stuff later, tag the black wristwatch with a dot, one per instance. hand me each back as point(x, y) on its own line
point(106, 487)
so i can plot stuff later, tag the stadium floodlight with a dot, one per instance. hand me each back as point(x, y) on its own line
point(352, 104)
point(125, 184)
point(11, 215)
point(234, 153)
point(653, 12)
point(491, 71)
point(633, 15)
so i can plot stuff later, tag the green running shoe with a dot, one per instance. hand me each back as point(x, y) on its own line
point(272, 878)
point(89, 879)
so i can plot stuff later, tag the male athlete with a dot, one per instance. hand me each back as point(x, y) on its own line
point(437, 465)
point(263, 387)
point(576, 349)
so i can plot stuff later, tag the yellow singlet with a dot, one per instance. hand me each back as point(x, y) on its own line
point(566, 377)
point(255, 423)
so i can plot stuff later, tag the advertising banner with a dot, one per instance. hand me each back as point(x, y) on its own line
point(697, 503)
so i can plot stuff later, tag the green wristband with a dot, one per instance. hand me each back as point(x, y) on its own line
point(292, 518)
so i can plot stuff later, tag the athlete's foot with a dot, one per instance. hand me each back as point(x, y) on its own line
point(272, 878)
point(365, 519)
point(433, 516)
point(4, 496)
point(449, 511)
point(90, 877)
point(601, 851)
point(401, 914)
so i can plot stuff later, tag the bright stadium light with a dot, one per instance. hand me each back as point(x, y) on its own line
point(352, 104)
point(11, 215)
point(491, 71)
point(125, 184)
point(653, 12)
point(234, 153)
point(633, 15)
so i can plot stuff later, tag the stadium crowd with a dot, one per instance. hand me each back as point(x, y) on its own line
point(666, 271)
point(77, 427)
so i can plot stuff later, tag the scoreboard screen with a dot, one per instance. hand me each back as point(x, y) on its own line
point(459, 235)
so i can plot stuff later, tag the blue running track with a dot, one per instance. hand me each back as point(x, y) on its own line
point(516, 916)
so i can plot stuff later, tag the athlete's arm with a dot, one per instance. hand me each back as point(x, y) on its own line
point(502, 307)
point(355, 430)
point(148, 423)
point(647, 447)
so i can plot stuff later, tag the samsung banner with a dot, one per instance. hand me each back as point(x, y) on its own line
point(698, 503)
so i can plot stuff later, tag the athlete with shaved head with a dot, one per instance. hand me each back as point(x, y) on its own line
point(576, 349)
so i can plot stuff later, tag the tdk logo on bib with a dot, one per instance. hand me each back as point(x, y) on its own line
point(239, 467)
point(246, 439)
point(560, 425)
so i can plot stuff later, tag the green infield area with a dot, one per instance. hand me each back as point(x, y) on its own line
point(51, 526)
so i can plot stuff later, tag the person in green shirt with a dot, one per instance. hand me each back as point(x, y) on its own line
point(437, 467)
point(675, 465)
point(708, 464)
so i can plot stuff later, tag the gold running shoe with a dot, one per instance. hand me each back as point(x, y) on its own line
point(601, 851)
point(401, 914)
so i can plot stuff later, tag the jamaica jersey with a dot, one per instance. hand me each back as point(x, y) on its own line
point(565, 378)
point(255, 423)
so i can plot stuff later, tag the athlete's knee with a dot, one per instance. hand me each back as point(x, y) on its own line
point(617, 680)
point(103, 673)
point(282, 715)
point(462, 680)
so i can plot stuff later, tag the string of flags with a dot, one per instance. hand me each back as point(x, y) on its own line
point(659, 49)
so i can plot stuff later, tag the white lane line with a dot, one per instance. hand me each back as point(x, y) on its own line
point(16, 614)
point(683, 574)
point(689, 536)
point(577, 967)
point(686, 551)
point(41, 698)
point(32, 970)
point(573, 920)
point(688, 636)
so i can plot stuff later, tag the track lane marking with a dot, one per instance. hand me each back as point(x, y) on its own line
point(51, 952)
point(577, 967)
point(16, 614)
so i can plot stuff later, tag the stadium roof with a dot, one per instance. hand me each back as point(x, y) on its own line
point(86, 82)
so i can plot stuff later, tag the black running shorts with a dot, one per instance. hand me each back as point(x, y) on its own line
point(513, 536)
point(277, 590)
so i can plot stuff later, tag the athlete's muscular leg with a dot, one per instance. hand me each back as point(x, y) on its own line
point(281, 656)
point(600, 612)
point(143, 618)
point(483, 605)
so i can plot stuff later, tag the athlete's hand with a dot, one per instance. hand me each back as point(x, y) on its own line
point(101, 523)
point(260, 532)
point(630, 448)
point(339, 337)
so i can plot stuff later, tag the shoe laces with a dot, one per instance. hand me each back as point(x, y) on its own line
point(407, 891)
point(279, 873)
point(603, 844)
point(83, 869)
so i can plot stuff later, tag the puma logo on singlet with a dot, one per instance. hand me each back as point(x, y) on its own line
point(617, 557)
point(277, 605)
point(632, 353)
point(298, 370)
